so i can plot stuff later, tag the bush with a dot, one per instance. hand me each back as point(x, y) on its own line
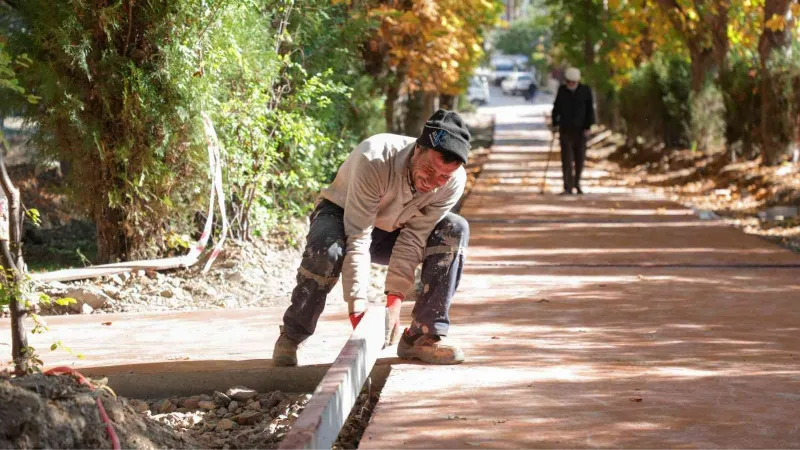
point(780, 84)
point(740, 87)
point(707, 118)
point(112, 110)
point(654, 104)
point(122, 91)
point(642, 89)
point(288, 105)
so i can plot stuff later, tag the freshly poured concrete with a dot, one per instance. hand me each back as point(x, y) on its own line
point(612, 320)
point(229, 337)
point(186, 353)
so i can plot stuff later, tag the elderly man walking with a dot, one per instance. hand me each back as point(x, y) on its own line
point(573, 116)
point(389, 204)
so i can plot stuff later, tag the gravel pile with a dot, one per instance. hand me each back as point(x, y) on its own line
point(237, 418)
point(245, 275)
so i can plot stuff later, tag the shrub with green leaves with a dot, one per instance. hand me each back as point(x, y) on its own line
point(123, 84)
point(707, 118)
point(662, 84)
point(285, 101)
point(740, 87)
point(108, 76)
point(780, 87)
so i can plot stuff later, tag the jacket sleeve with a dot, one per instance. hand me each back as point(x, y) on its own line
point(556, 114)
point(364, 193)
point(590, 116)
point(410, 246)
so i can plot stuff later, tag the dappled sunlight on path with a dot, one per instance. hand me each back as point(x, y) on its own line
point(614, 320)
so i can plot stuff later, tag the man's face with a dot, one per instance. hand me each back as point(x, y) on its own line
point(428, 171)
point(572, 85)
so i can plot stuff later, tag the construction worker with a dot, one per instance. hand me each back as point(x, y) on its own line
point(573, 116)
point(389, 204)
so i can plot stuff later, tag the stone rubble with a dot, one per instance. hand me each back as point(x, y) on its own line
point(245, 275)
point(239, 418)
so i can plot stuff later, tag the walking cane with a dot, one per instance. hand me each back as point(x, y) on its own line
point(547, 165)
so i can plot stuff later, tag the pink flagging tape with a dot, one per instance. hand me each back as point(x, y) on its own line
point(323, 417)
point(213, 162)
point(213, 145)
point(215, 192)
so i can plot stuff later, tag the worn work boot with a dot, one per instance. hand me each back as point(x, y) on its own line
point(428, 348)
point(286, 350)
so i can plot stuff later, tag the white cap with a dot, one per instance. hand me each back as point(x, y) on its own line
point(573, 74)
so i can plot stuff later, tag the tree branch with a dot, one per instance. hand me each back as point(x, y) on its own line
point(669, 6)
point(130, 26)
point(13, 266)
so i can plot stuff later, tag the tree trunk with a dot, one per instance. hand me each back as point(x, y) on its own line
point(393, 107)
point(415, 114)
point(776, 113)
point(388, 109)
point(447, 102)
point(13, 266)
point(430, 104)
point(703, 62)
point(113, 244)
point(708, 45)
point(719, 35)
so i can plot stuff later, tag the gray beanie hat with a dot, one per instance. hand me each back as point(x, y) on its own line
point(446, 132)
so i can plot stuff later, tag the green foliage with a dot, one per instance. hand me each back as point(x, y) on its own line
point(111, 109)
point(177, 241)
point(740, 88)
point(707, 118)
point(8, 78)
point(664, 86)
point(524, 37)
point(780, 83)
point(10, 88)
point(34, 216)
point(123, 84)
point(576, 23)
point(286, 105)
point(531, 37)
point(13, 290)
point(743, 86)
point(642, 89)
point(84, 259)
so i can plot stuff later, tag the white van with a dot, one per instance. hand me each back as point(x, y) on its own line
point(478, 90)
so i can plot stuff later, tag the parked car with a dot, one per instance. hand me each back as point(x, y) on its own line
point(502, 71)
point(517, 83)
point(478, 90)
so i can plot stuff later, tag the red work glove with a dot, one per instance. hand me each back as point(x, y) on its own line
point(393, 329)
point(355, 318)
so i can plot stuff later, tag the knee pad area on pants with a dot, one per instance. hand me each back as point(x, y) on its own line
point(452, 231)
point(323, 263)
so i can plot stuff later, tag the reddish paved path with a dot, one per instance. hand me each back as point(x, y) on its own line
point(570, 311)
point(611, 320)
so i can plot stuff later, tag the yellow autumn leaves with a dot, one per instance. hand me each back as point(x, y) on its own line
point(778, 22)
point(434, 43)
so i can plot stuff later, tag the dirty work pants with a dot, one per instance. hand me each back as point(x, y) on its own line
point(322, 264)
point(573, 152)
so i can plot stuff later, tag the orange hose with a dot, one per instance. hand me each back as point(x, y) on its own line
point(112, 434)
